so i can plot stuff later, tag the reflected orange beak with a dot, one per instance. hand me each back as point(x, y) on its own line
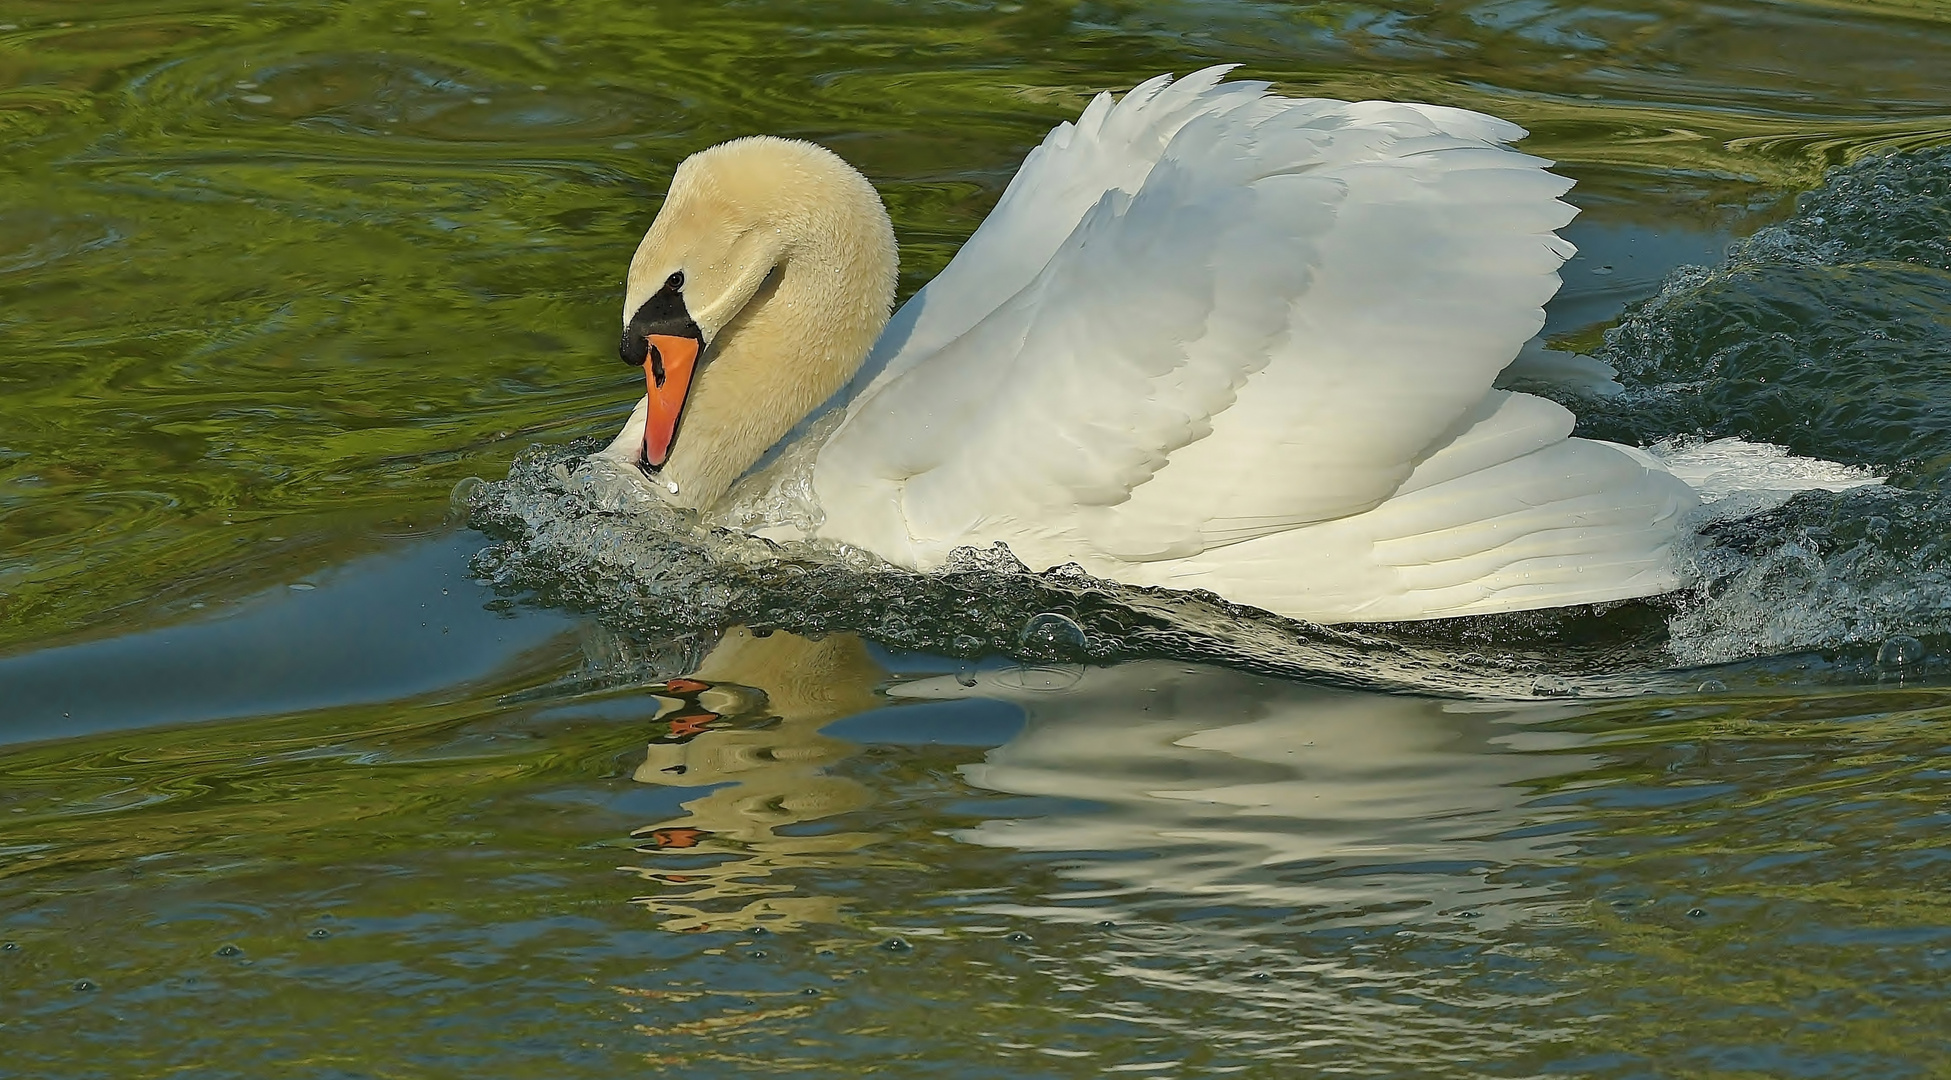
point(667, 372)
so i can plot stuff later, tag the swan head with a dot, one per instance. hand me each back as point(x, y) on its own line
point(755, 294)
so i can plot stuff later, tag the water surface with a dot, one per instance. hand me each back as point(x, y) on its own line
point(286, 785)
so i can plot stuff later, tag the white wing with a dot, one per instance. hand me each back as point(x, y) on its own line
point(1206, 317)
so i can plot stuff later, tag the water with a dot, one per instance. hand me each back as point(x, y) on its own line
point(301, 774)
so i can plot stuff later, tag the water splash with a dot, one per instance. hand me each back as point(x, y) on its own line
point(1830, 335)
point(581, 533)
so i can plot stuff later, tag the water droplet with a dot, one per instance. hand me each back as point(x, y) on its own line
point(230, 950)
point(321, 932)
point(1050, 630)
point(965, 677)
point(11, 946)
point(1019, 937)
point(1900, 650)
point(84, 985)
point(1712, 686)
point(757, 954)
point(671, 486)
point(1696, 913)
point(895, 944)
point(811, 991)
point(1260, 976)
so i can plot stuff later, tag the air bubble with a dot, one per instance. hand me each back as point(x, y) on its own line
point(230, 950)
point(1552, 686)
point(1712, 686)
point(1902, 650)
point(895, 944)
point(1050, 630)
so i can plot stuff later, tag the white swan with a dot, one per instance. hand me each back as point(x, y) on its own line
point(1210, 338)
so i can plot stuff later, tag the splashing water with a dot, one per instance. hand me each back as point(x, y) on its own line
point(1829, 335)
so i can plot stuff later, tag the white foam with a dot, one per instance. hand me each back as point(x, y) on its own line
point(1757, 475)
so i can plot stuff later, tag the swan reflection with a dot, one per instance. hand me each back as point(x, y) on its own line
point(1175, 782)
point(1160, 785)
point(747, 723)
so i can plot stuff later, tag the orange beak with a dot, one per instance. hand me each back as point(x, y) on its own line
point(667, 372)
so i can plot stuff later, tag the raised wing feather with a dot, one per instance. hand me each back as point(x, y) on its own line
point(1112, 146)
point(1269, 314)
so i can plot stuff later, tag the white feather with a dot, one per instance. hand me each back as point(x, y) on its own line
point(1214, 338)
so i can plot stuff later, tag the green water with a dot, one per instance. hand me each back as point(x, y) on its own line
point(285, 790)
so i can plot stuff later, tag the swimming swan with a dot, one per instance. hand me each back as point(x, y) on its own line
point(1210, 338)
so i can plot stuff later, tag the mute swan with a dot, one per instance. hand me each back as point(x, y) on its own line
point(1210, 338)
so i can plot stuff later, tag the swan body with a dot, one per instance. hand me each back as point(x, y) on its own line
point(1210, 338)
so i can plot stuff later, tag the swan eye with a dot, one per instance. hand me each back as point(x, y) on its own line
point(675, 281)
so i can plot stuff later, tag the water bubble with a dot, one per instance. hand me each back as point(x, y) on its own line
point(257, 99)
point(301, 586)
point(811, 991)
point(1712, 686)
point(11, 946)
point(1696, 913)
point(321, 932)
point(462, 495)
point(1018, 937)
point(757, 954)
point(1900, 650)
point(84, 985)
point(230, 950)
point(1552, 686)
point(965, 676)
point(895, 944)
point(1050, 630)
